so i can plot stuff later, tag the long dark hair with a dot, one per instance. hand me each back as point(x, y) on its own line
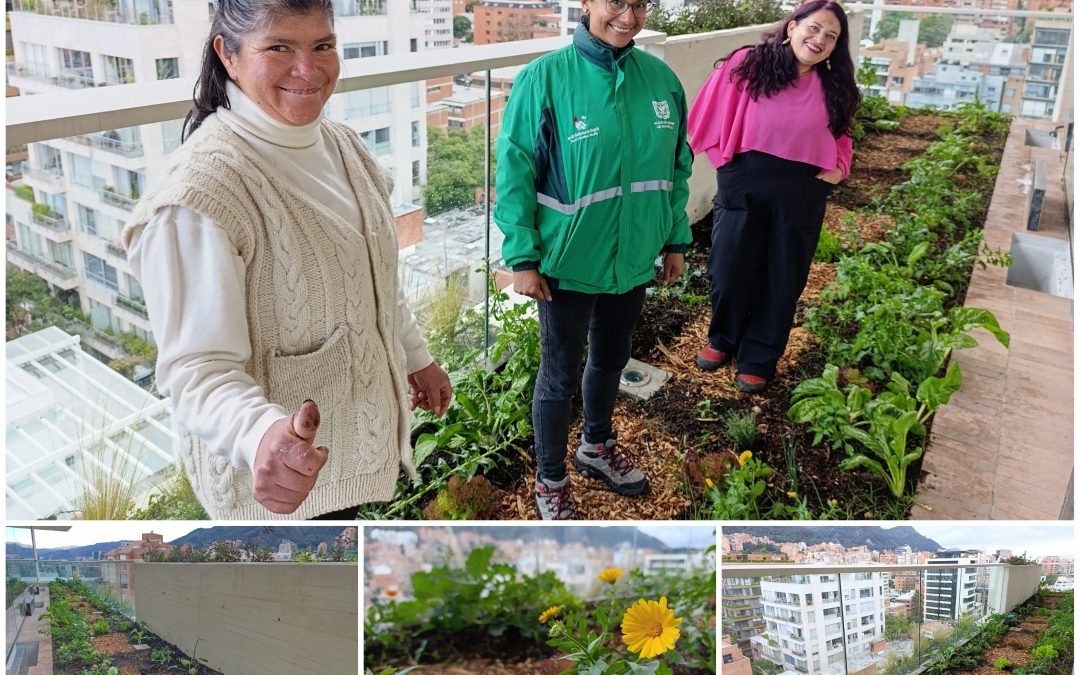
point(234, 20)
point(771, 66)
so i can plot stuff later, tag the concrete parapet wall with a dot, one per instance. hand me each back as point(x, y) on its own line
point(255, 618)
point(1018, 583)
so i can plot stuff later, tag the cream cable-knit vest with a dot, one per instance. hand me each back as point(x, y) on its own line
point(321, 309)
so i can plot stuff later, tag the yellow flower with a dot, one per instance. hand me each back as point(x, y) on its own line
point(708, 481)
point(745, 457)
point(549, 614)
point(792, 494)
point(650, 627)
point(834, 502)
point(391, 592)
point(610, 575)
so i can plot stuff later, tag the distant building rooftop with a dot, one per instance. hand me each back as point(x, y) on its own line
point(72, 420)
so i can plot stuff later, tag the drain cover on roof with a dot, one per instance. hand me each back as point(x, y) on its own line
point(640, 380)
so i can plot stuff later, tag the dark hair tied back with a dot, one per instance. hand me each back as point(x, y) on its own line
point(771, 66)
point(233, 21)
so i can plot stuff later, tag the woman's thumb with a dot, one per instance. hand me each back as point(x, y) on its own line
point(305, 423)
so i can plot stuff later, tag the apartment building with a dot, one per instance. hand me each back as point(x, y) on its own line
point(1050, 47)
point(816, 625)
point(438, 23)
point(735, 661)
point(741, 610)
point(509, 20)
point(1054, 565)
point(76, 194)
point(951, 594)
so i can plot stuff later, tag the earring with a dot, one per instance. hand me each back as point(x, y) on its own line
point(828, 64)
point(787, 40)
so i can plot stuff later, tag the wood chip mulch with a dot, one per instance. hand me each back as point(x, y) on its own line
point(1017, 657)
point(499, 667)
point(113, 643)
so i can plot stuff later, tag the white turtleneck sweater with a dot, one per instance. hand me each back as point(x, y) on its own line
point(187, 263)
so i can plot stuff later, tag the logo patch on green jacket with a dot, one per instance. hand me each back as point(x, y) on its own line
point(663, 115)
point(583, 130)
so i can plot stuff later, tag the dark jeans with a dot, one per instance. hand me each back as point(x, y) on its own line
point(608, 321)
point(766, 220)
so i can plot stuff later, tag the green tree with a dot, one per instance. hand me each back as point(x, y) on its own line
point(455, 168)
point(889, 26)
point(463, 28)
point(897, 627)
point(916, 607)
point(934, 29)
point(707, 15)
point(1051, 579)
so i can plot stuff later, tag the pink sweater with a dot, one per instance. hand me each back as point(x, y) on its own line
point(792, 124)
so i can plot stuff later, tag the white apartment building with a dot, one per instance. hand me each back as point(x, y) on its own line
point(85, 187)
point(438, 24)
point(950, 594)
point(813, 622)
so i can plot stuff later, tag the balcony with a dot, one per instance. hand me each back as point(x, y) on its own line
point(52, 272)
point(53, 221)
point(118, 200)
point(95, 10)
point(116, 250)
point(130, 304)
point(116, 145)
point(50, 178)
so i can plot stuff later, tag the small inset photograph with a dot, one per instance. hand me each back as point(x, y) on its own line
point(933, 598)
point(540, 599)
point(159, 598)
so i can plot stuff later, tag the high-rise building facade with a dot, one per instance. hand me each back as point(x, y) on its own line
point(1050, 43)
point(812, 626)
point(742, 612)
point(951, 593)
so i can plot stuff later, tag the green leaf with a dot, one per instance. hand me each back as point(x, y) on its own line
point(425, 445)
point(479, 559)
point(646, 668)
point(935, 392)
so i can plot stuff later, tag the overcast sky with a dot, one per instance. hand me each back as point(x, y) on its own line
point(682, 536)
point(1035, 540)
point(82, 533)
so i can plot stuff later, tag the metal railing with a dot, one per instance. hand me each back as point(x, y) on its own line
point(48, 270)
point(53, 221)
point(117, 199)
point(131, 305)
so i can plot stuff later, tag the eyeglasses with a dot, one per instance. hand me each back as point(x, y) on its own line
point(641, 8)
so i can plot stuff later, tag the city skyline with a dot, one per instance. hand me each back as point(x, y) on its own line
point(88, 532)
point(1034, 540)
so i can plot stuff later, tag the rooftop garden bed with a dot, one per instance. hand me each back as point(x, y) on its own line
point(92, 636)
point(841, 430)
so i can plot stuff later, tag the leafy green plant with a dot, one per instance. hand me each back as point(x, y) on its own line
point(741, 429)
point(161, 655)
point(139, 634)
point(25, 192)
point(737, 498)
point(1002, 663)
point(100, 627)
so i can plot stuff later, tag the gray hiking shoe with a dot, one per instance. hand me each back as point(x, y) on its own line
point(553, 500)
point(606, 463)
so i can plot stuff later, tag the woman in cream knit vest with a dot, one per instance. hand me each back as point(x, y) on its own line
point(268, 257)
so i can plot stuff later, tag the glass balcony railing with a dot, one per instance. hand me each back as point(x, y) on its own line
point(116, 145)
point(112, 579)
point(880, 630)
point(116, 199)
point(52, 220)
point(132, 305)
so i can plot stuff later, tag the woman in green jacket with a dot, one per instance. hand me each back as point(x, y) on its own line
point(592, 186)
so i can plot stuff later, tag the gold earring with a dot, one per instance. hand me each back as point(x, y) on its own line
point(828, 64)
point(787, 40)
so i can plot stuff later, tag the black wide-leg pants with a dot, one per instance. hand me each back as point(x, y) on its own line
point(766, 220)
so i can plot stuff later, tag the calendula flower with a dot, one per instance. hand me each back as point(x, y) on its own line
point(745, 457)
point(391, 592)
point(792, 494)
point(610, 575)
point(557, 629)
point(834, 502)
point(650, 628)
point(548, 614)
point(708, 481)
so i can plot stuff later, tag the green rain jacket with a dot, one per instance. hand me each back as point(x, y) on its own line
point(593, 166)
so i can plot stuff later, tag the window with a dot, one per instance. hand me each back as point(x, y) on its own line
point(728, 658)
point(119, 70)
point(170, 135)
point(167, 69)
point(416, 134)
point(378, 141)
point(414, 95)
point(367, 102)
point(81, 170)
point(135, 291)
point(61, 254)
point(100, 272)
point(412, 45)
point(416, 172)
point(75, 67)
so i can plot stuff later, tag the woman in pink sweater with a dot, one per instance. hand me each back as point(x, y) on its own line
point(775, 121)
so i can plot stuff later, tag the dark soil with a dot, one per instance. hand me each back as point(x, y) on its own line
point(1017, 642)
